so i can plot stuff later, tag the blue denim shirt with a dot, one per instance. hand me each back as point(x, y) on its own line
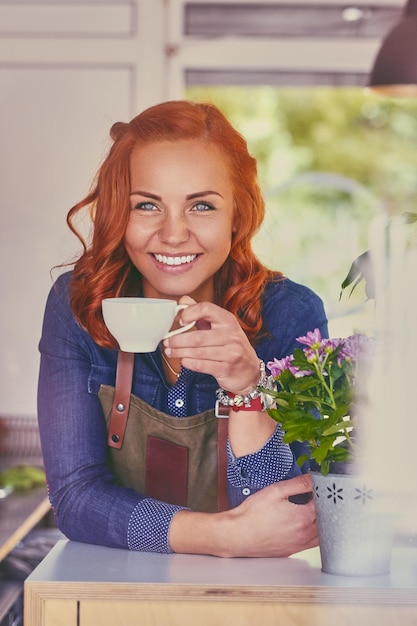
point(89, 505)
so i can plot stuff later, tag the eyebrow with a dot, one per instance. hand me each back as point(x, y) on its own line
point(191, 196)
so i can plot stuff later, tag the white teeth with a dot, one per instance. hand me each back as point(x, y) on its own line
point(175, 260)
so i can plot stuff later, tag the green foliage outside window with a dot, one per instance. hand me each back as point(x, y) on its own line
point(329, 160)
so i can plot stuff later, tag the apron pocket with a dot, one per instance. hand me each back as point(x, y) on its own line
point(166, 471)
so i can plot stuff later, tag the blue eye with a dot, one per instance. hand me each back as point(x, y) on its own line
point(203, 206)
point(145, 206)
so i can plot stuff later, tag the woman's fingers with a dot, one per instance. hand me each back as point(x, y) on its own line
point(221, 349)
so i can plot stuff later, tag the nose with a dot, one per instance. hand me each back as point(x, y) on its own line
point(174, 229)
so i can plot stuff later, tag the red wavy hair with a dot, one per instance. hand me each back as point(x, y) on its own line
point(104, 268)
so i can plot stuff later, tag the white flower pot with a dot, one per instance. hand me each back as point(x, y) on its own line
point(355, 525)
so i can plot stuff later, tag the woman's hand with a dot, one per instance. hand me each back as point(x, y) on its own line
point(218, 346)
point(266, 524)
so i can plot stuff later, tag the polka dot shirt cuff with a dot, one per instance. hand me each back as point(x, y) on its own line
point(149, 526)
point(270, 464)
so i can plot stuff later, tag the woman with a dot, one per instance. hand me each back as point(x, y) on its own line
point(174, 208)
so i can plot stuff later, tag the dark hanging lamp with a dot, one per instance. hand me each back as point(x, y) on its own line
point(395, 68)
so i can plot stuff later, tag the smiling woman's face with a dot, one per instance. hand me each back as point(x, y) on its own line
point(181, 220)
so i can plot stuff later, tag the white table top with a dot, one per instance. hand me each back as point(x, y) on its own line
point(73, 562)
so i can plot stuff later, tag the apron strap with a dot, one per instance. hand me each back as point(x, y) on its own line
point(222, 434)
point(121, 401)
point(119, 415)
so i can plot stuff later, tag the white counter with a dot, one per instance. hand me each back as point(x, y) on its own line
point(83, 585)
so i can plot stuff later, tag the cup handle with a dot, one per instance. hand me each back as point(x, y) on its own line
point(182, 329)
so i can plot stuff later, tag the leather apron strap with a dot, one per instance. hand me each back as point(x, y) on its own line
point(222, 433)
point(120, 408)
point(120, 412)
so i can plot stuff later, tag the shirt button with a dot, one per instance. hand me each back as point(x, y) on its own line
point(246, 491)
point(179, 403)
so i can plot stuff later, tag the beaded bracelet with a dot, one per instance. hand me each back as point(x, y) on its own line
point(239, 402)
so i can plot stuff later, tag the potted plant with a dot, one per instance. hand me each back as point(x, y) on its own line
point(315, 398)
point(318, 388)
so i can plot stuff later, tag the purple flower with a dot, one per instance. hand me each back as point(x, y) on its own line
point(277, 366)
point(312, 339)
point(300, 373)
point(331, 344)
point(354, 347)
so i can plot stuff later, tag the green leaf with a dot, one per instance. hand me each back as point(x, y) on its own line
point(325, 467)
point(341, 411)
point(300, 359)
point(305, 383)
point(336, 428)
point(320, 453)
point(410, 217)
point(274, 413)
point(340, 454)
point(302, 459)
point(361, 269)
point(281, 402)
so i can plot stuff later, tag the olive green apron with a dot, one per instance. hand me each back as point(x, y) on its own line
point(176, 460)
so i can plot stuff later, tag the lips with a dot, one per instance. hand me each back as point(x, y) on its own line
point(175, 260)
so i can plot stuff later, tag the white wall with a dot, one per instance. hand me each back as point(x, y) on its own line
point(67, 72)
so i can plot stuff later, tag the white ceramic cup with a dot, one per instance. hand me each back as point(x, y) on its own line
point(139, 324)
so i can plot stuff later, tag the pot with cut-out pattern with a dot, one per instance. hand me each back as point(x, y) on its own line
point(355, 525)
